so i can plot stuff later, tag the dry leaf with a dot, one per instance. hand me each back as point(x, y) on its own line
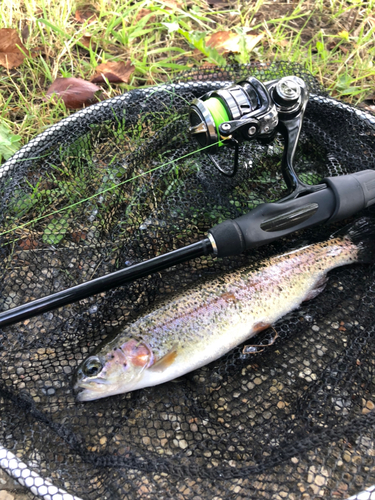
point(86, 13)
point(39, 50)
point(28, 243)
point(114, 72)
point(10, 55)
point(170, 4)
point(78, 236)
point(226, 41)
point(334, 45)
point(75, 92)
point(343, 49)
point(368, 104)
point(141, 14)
point(87, 41)
point(25, 33)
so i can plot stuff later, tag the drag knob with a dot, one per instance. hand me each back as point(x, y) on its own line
point(287, 92)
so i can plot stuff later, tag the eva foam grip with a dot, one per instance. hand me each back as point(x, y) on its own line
point(353, 192)
point(271, 221)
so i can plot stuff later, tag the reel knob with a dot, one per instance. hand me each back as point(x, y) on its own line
point(287, 93)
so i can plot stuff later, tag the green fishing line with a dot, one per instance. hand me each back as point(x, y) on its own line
point(218, 112)
point(37, 219)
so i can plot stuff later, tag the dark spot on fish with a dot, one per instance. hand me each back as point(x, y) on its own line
point(124, 364)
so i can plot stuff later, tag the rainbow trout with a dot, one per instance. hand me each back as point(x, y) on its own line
point(204, 322)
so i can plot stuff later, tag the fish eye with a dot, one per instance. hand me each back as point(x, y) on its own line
point(92, 367)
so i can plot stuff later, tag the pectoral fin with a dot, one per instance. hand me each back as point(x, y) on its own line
point(163, 363)
point(318, 288)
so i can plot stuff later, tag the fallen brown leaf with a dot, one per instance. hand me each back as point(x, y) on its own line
point(226, 41)
point(28, 243)
point(11, 48)
point(368, 104)
point(75, 92)
point(171, 4)
point(39, 50)
point(87, 41)
point(86, 13)
point(77, 236)
point(113, 71)
point(343, 49)
point(25, 33)
point(141, 14)
point(334, 45)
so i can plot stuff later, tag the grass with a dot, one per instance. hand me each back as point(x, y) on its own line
point(334, 39)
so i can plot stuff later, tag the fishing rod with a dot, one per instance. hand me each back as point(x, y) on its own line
point(227, 117)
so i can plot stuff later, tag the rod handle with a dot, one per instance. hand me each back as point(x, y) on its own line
point(342, 197)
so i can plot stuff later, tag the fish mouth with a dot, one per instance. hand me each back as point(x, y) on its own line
point(84, 390)
point(78, 391)
point(83, 395)
point(98, 389)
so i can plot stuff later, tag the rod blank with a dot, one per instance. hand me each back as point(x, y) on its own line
point(104, 283)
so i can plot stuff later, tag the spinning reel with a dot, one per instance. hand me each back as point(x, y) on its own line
point(225, 118)
point(248, 110)
point(253, 110)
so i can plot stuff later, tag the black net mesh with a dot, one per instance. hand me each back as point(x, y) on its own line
point(293, 421)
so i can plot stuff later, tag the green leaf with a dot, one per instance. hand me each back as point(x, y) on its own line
point(352, 91)
point(197, 39)
point(243, 56)
point(9, 143)
point(56, 230)
point(344, 86)
point(21, 202)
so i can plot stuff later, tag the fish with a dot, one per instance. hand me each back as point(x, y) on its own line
point(202, 323)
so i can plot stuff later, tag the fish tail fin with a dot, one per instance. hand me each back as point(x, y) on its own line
point(362, 234)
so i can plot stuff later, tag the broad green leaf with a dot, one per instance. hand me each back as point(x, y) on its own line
point(9, 143)
point(56, 231)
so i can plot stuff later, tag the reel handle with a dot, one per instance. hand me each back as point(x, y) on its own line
point(340, 197)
